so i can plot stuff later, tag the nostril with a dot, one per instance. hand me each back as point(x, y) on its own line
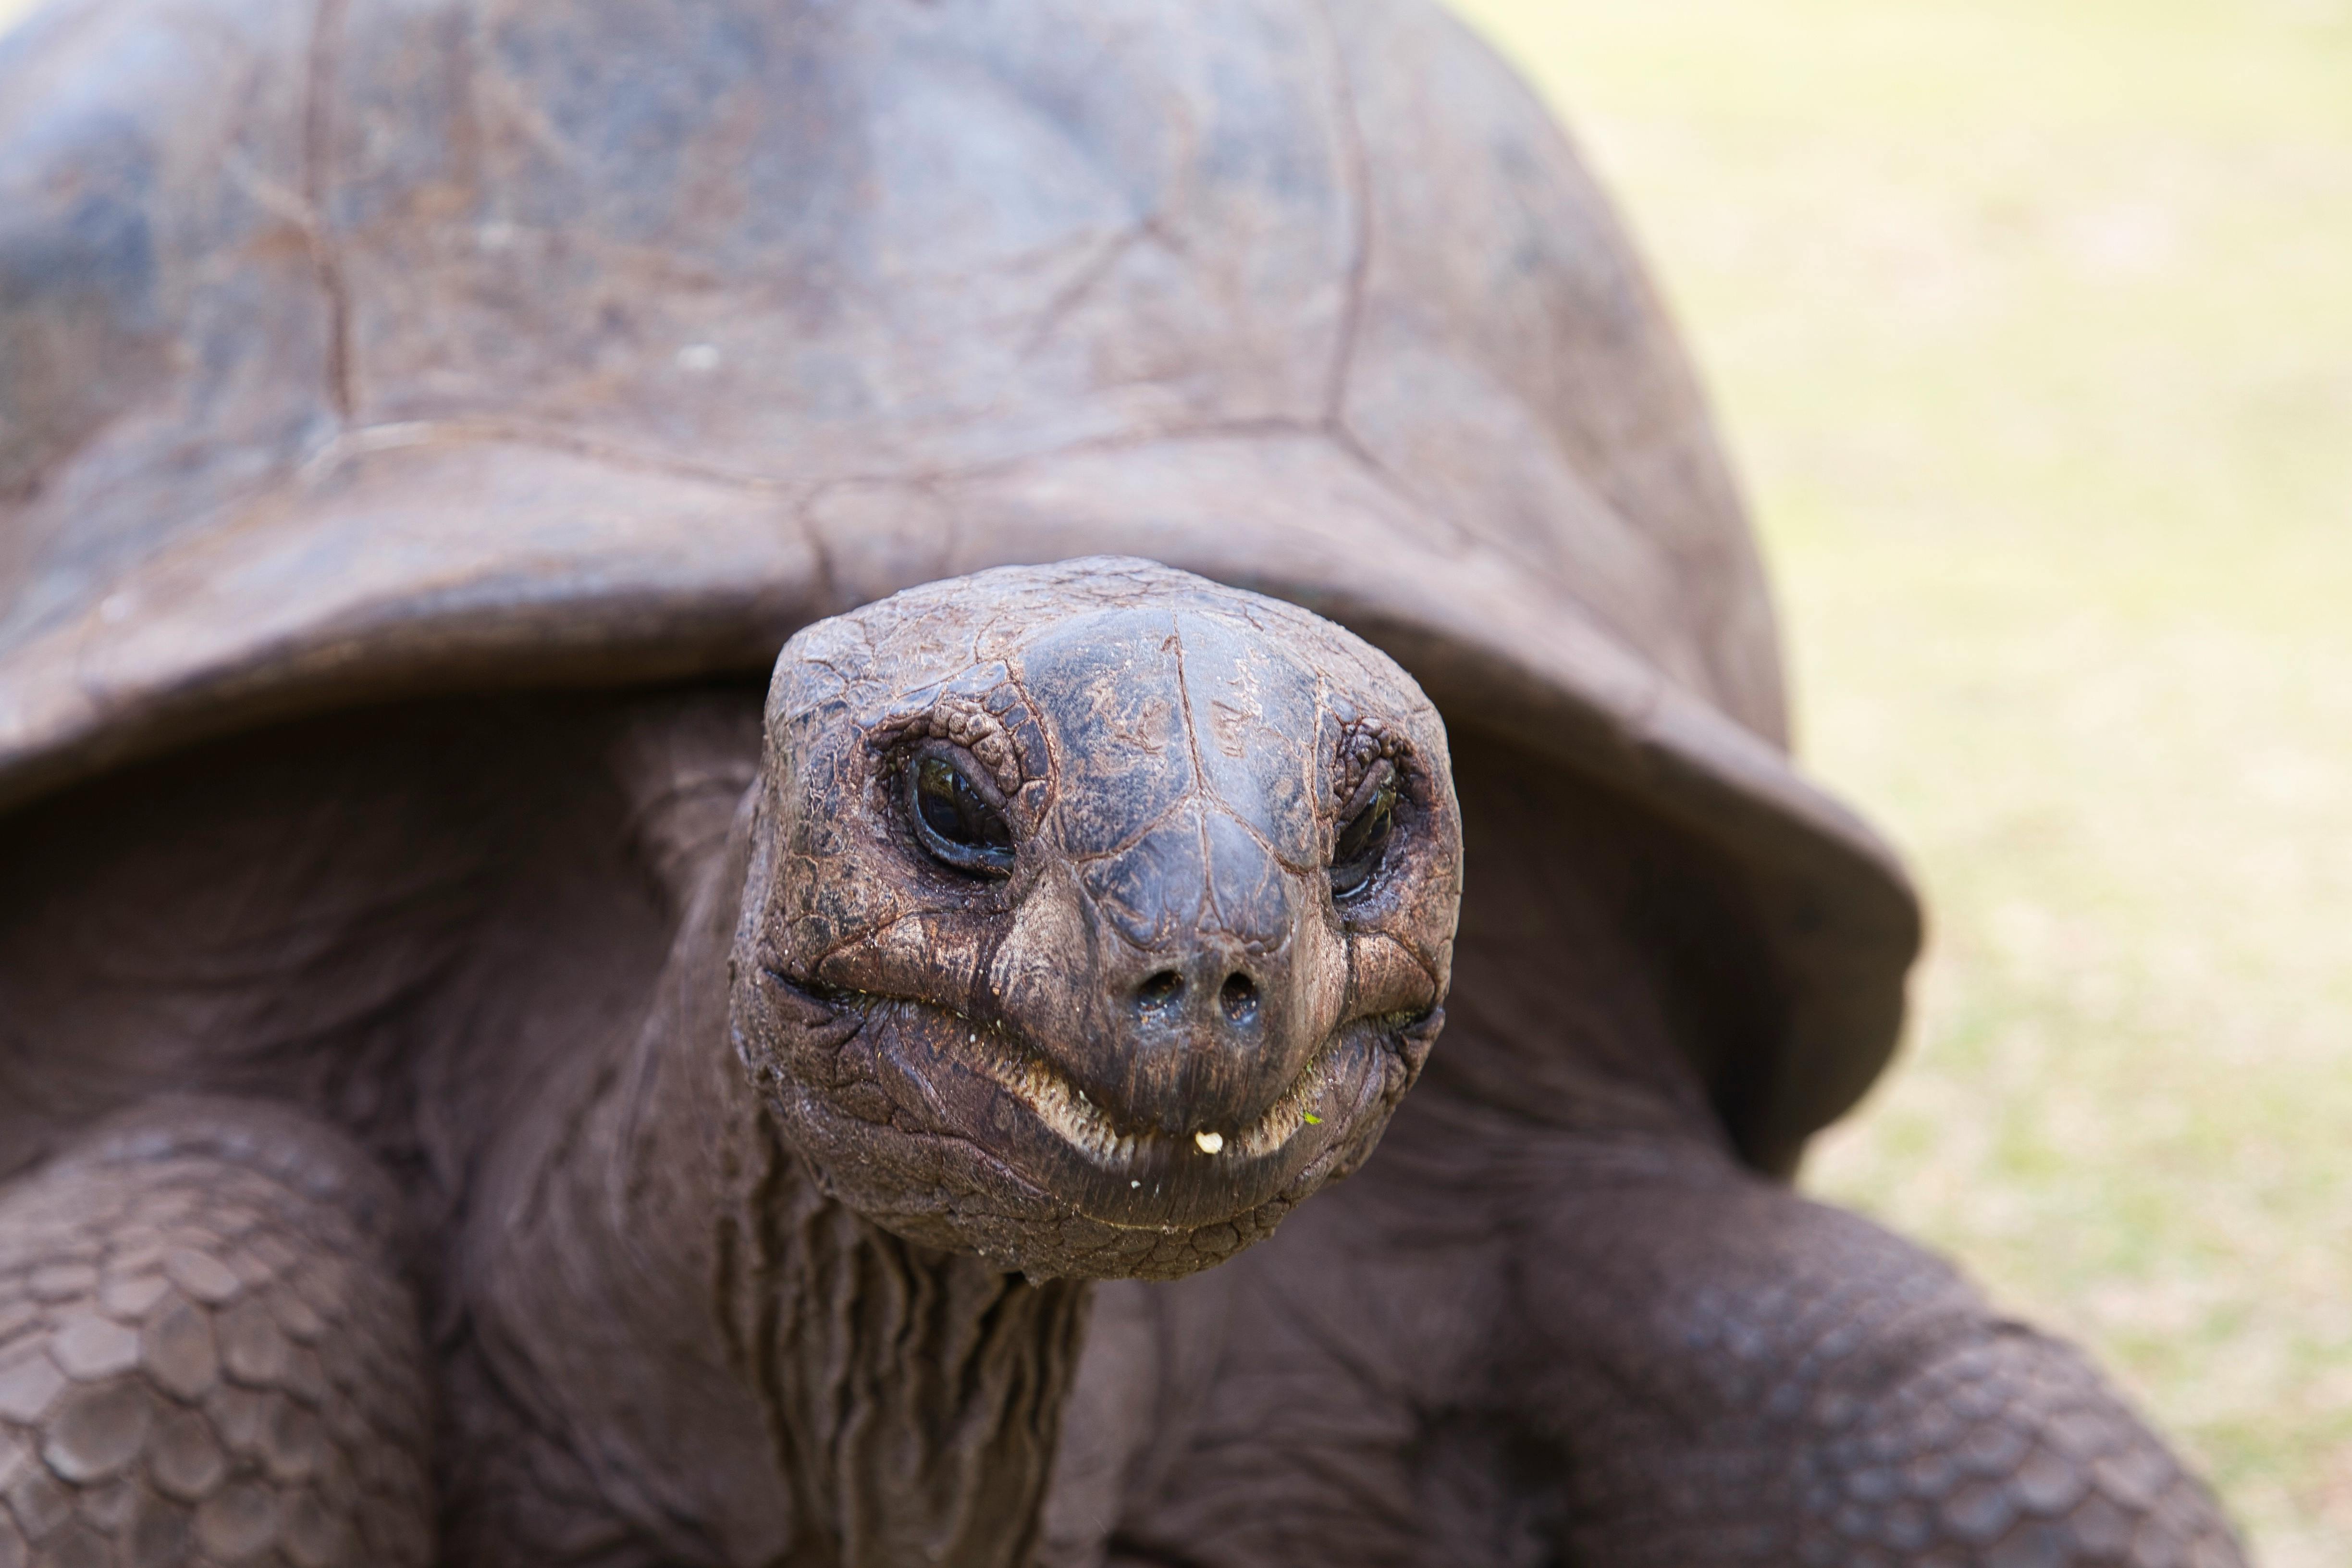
point(1159, 990)
point(1239, 998)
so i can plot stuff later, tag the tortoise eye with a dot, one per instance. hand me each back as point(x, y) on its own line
point(954, 819)
point(1355, 852)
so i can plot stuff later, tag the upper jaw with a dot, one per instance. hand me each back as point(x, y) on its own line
point(931, 1072)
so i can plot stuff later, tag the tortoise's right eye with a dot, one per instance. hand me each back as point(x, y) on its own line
point(955, 818)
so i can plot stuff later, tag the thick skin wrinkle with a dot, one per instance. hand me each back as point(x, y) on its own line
point(1571, 1328)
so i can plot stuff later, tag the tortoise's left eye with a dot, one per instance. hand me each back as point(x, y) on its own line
point(955, 818)
point(1355, 852)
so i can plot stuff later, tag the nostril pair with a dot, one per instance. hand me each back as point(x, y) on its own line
point(1237, 997)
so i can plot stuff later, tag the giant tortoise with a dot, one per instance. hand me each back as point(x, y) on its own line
point(486, 1080)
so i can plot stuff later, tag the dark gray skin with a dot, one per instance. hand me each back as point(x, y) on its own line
point(413, 1193)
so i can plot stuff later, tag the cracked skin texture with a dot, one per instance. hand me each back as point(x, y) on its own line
point(461, 1103)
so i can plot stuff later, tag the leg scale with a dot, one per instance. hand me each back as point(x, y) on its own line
point(207, 1355)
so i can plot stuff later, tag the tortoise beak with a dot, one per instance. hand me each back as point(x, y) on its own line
point(1202, 983)
point(1199, 1036)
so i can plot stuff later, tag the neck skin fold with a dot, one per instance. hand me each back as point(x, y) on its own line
point(769, 1376)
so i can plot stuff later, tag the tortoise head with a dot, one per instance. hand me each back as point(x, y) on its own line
point(1096, 914)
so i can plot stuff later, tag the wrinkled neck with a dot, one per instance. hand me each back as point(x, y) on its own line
point(914, 1396)
point(657, 1269)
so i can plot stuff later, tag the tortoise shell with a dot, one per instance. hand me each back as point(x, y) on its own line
point(359, 348)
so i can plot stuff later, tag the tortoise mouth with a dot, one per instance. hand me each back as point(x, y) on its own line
point(945, 1076)
point(1059, 1104)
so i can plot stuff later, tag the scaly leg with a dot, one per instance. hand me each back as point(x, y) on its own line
point(1502, 1347)
point(207, 1355)
point(1735, 1374)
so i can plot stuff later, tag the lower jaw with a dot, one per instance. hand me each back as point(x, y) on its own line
point(1164, 1182)
point(1065, 1245)
point(1314, 1098)
point(1025, 1138)
point(896, 1108)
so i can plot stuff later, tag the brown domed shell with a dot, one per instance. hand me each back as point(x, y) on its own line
point(367, 348)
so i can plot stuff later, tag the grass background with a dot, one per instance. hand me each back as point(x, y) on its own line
point(2030, 323)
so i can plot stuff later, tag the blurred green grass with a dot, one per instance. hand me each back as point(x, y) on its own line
point(2030, 328)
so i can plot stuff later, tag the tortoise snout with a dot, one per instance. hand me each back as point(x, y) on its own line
point(1201, 1025)
point(1200, 1036)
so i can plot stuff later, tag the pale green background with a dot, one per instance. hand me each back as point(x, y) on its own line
point(2030, 326)
point(2030, 323)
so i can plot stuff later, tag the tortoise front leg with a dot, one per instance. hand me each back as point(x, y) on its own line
point(1500, 1346)
point(206, 1354)
point(1733, 1375)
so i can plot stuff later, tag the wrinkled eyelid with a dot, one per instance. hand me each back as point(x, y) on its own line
point(1385, 771)
point(1379, 798)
